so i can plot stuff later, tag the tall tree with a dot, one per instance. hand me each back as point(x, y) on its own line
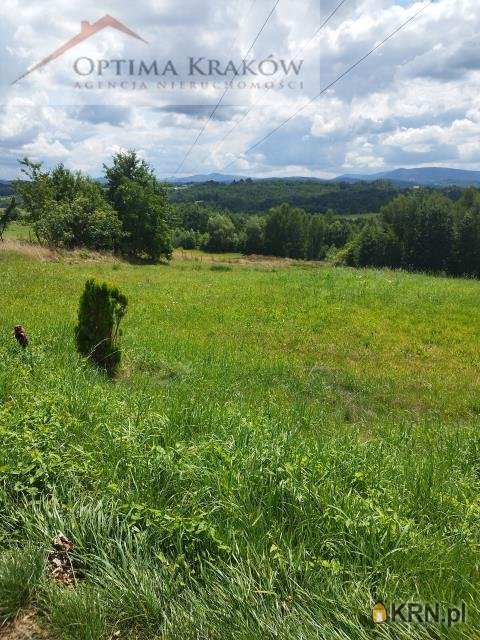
point(255, 235)
point(141, 204)
point(221, 232)
point(286, 232)
point(432, 243)
point(467, 250)
point(317, 245)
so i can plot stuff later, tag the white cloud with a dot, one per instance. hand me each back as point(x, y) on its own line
point(414, 102)
point(43, 147)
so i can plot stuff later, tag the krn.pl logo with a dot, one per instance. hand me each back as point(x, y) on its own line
point(379, 613)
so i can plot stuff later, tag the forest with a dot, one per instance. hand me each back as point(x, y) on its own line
point(419, 230)
point(422, 232)
point(257, 196)
point(314, 196)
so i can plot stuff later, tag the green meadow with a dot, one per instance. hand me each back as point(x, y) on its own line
point(285, 445)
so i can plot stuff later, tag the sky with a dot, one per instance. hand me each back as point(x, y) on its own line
point(413, 103)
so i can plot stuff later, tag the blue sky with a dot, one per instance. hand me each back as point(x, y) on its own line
point(414, 103)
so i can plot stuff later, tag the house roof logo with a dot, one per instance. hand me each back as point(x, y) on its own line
point(87, 30)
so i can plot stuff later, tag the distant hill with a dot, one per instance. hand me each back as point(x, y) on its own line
point(424, 176)
point(5, 188)
point(209, 177)
point(296, 179)
point(402, 178)
point(228, 179)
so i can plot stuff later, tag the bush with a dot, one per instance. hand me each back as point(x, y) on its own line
point(80, 224)
point(67, 209)
point(102, 308)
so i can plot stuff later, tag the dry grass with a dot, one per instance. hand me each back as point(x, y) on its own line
point(48, 254)
point(31, 250)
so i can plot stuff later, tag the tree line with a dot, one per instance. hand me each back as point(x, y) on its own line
point(422, 231)
point(314, 196)
point(285, 231)
point(69, 209)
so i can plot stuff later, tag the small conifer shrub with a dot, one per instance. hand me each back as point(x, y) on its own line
point(97, 333)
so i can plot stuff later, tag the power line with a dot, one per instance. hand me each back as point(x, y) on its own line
point(227, 88)
point(324, 24)
point(219, 144)
point(331, 84)
point(244, 19)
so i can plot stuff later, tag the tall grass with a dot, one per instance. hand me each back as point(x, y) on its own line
point(281, 450)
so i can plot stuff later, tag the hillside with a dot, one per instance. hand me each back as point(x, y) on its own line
point(314, 193)
point(293, 443)
point(313, 196)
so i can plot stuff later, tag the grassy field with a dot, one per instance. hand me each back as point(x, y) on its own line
point(284, 447)
point(17, 231)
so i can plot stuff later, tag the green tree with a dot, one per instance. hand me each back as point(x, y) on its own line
point(467, 234)
point(97, 333)
point(286, 232)
point(141, 204)
point(375, 246)
point(195, 217)
point(400, 215)
point(254, 235)
point(424, 225)
point(467, 249)
point(431, 245)
point(35, 193)
point(221, 234)
point(317, 234)
point(189, 239)
point(470, 199)
point(336, 233)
